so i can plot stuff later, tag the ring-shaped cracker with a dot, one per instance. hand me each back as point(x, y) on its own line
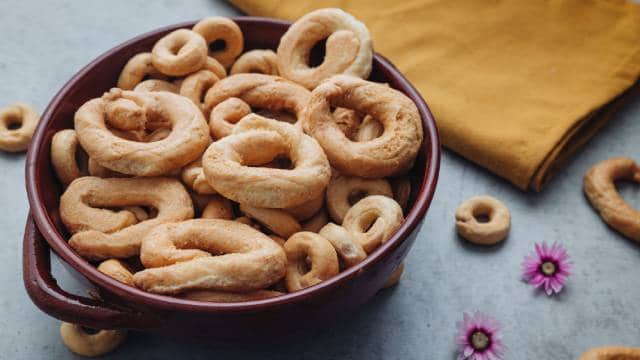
point(217, 29)
point(256, 61)
point(256, 90)
point(392, 153)
point(100, 233)
point(600, 188)
point(348, 47)
point(179, 258)
point(492, 231)
point(187, 140)
point(257, 140)
point(344, 191)
point(373, 220)
point(179, 53)
point(17, 124)
point(319, 252)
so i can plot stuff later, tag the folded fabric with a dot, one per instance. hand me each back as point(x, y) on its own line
point(515, 86)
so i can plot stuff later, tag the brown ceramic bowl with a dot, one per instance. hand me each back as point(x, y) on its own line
point(122, 306)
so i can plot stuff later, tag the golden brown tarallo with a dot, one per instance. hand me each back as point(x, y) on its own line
point(180, 257)
point(17, 124)
point(348, 47)
point(64, 156)
point(344, 191)
point(83, 343)
point(470, 223)
point(228, 165)
point(256, 90)
point(137, 69)
point(323, 260)
point(179, 53)
point(373, 220)
point(188, 138)
point(600, 189)
point(101, 233)
point(196, 85)
point(390, 154)
point(256, 61)
point(224, 32)
point(611, 353)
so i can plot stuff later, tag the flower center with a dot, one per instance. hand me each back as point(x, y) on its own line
point(548, 268)
point(479, 340)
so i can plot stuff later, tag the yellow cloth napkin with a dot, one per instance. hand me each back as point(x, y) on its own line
point(515, 85)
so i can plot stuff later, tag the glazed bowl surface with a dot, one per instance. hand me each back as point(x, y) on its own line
point(116, 305)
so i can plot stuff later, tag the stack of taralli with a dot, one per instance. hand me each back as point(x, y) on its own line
point(189, 182)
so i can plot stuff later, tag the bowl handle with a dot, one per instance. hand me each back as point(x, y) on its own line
point(45, 293)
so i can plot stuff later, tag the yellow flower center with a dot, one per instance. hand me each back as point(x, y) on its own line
point(548, 268)
point(479, 340)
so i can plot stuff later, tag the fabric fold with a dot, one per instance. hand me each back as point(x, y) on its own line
point(515, 86)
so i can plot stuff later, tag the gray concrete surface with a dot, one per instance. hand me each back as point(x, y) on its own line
point(44, 42)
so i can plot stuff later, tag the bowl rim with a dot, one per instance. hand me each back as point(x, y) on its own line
point(168, 303)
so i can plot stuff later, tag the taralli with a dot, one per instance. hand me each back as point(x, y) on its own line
point(401, 191)
point(156, 85)
point(247, 221)
point(218, 208)
point(611, 353)
point(100, 233)
point(117, 270)
point(124, 114)
point(196, 85)
point(220, 30)
point(186, 182)
point(215, 67)
point(494, 230)
point(179, 257)
point(320, 219)
point(256, 140)
point(179, 53)
point(346, 246)
point(136, 70)
point(229, 297)
point(348, 48)
point(276, 220)
point(344, 191)
point(369, 129)
point(256, 61)
point(347, 120)
point(64, 156)
point(258, 91)
point(308, 209)
point(373, 220)
point(85, 344)
point(395, 276)
point(321, 255)
point(17, 124)
point(600, 188)
point(140, 213)
point(392, 153)
point(188, 138)
point(224, 115)
point(95, 169)
point(193, 176)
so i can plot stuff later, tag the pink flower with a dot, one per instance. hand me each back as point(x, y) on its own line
point(478, 338)
point(547, 268)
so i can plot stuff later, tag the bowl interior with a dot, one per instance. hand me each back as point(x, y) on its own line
point(44, 189)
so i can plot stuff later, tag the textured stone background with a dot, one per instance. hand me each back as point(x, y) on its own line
point(43, 43)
